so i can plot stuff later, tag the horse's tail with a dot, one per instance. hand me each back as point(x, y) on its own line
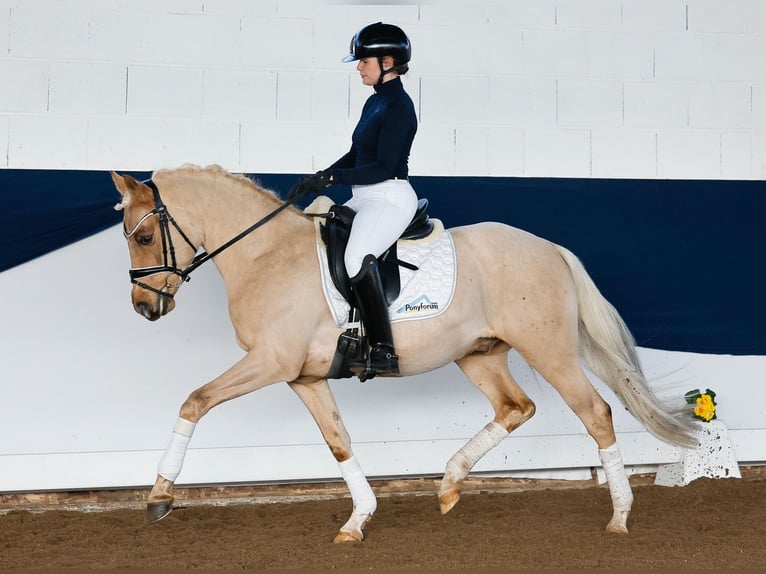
point(609, 350)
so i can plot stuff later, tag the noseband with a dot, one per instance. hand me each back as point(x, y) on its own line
point(169, 264)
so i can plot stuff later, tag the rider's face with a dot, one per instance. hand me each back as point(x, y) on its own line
point(369, 69)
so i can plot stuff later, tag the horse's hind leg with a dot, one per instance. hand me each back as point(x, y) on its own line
point(489, 372)
point(569, 379)
point(318, 398)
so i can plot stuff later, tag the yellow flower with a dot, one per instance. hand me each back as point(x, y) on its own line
point(705, 408)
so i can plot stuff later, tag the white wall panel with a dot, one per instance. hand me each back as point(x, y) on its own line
point(516, 101)
point(5, 27)
point(589, 103)
point(24, 86)
point(164, 91)
point(654, 15)
point(433, 150)
point(78, 88)
point(720, 105)
point(45, 30)
point(294, 96)
point(498, 52)
point(4, 123)
point(759, 154)
point(278, 42)
point(704, 56)
point(33, 137)
point(555, 53)
point(455, 100)
point(329, 96)
point(477, 65)
point(505, 151)
point(192, 39)
point(713, 16)
point(588, 14)
point(736, 154)
point(239, 94)
point(440, 49)
point(131, 143)
point(626, 55)
point(447, 13)
point(556, 152)
point(656, 104)
point(519, 14)
point(759, 106)
point(276, 147)
point(262, 8)
point(757, 17)
point(697, 153)
point(137, 36)
point(471, 150)
point(623, 153)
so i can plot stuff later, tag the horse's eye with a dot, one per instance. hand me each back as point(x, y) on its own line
point(145, 239)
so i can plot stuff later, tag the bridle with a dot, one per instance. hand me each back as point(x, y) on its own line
point(169, 264)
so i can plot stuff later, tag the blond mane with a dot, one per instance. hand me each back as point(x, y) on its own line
point(215, 170)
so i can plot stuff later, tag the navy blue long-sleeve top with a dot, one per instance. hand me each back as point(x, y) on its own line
point(381, 142)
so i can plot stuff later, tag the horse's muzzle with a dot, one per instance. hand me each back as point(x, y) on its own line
point(147, 311)
point(153, 310)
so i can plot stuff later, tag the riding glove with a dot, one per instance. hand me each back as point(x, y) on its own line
point(310, 184)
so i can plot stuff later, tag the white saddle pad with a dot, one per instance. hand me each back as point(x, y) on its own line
point(425, 293)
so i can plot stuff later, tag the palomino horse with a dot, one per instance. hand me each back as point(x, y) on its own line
point(513, 290)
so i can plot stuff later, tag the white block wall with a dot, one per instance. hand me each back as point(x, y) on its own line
point(566, 88)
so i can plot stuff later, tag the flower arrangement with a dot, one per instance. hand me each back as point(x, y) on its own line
point(704, 404)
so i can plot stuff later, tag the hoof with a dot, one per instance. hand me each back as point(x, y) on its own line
point(448, 500)
point(618, 523)
point(156, 511)
point(346, 537)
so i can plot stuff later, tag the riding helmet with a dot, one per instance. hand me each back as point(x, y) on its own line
point(378, 40)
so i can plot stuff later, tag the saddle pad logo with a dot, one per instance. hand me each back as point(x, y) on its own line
point(419, 305)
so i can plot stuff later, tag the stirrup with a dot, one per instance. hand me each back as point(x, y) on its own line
point(381, 360)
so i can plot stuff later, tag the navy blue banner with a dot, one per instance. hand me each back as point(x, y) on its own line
point(680, 260)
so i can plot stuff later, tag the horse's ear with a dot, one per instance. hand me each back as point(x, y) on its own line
point(126, 185)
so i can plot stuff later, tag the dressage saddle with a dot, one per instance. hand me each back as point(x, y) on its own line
point(335, 233)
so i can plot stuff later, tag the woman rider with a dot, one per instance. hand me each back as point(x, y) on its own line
point(376, 168)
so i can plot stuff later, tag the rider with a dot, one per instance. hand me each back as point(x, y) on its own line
point(376, 168)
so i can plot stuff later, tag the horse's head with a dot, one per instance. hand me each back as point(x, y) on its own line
point(157, 261)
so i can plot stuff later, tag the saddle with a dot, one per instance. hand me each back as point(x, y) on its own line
point(335, 233)
point(351, 347)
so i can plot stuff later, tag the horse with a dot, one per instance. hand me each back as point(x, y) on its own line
point(513, 290)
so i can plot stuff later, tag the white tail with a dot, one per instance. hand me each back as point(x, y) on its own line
point(609, 350)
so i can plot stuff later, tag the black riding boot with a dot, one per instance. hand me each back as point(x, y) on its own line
point(371, 302)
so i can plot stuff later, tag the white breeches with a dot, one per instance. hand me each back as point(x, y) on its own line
point(383, 212)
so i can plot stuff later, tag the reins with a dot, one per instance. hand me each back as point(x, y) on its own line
point(161, 210)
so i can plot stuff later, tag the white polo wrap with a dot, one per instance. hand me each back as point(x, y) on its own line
point(616, 477)
point(173, 459)
point(361, 493)
point(485, 440)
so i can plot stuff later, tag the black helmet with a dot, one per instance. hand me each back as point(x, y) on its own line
point(378, 40)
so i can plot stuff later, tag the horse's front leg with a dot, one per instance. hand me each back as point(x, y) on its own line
point(318, 398)
point(247, 375)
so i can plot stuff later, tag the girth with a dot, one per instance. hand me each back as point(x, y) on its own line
point(335, 233)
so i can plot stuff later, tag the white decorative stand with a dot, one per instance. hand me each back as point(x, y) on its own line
point(713, 458)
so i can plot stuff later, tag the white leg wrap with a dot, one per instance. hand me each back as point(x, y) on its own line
point(616, 478)
point(173, 459)
point(485, 440)
point(361, 493)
